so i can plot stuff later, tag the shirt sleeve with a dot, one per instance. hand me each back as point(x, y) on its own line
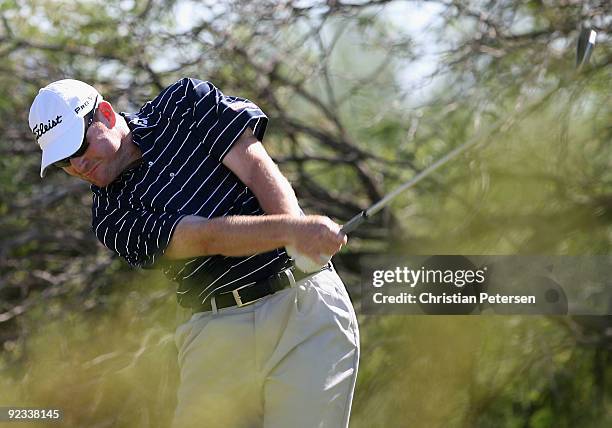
point(138, 235)
point(222, 119)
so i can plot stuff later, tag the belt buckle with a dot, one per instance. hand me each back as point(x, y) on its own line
point(238, 299)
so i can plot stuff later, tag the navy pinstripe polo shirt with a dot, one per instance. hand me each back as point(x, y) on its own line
point(184, 134)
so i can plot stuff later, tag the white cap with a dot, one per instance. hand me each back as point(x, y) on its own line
point(56, 118)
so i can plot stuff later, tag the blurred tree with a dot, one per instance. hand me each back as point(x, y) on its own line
point(346, 128)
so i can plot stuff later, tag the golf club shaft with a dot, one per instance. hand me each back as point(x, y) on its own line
point(586, 55)
point(505, 123)
point(356, 221)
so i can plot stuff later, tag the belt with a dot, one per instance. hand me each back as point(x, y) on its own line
point(252, 292)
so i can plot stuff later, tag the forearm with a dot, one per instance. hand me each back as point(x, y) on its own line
point(229, 236)
point(249, 160)
point(273, 191)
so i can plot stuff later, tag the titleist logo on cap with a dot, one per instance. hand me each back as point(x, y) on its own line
point(42, 128)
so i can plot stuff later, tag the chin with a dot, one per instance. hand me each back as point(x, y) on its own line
point(99, 181)
point(101, 176)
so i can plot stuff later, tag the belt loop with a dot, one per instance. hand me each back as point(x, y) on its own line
point(290, 276)
point(213, 304)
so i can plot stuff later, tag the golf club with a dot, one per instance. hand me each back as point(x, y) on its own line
point(584, 48)
point(586, 42)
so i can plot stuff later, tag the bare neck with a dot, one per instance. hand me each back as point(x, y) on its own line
point(133, 154)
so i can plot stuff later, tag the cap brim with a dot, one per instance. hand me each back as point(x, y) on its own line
point(61, 148)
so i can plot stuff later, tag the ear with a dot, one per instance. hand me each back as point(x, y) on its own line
point(106, 113)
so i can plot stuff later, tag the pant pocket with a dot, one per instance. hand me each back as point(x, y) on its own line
point(303, 298)
point(186, 333)
point(336, 294)
point(313, 292)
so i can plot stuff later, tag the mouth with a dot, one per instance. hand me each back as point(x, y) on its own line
point(89, 173)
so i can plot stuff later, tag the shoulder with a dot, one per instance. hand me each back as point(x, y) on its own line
point(192, 85)
point(184, 92)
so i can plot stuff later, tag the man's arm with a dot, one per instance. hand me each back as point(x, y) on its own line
point(246, 235)
point(236, 236)
point(249, 160)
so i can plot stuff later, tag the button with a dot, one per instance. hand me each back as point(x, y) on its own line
point(171, 174)
point(150, 163)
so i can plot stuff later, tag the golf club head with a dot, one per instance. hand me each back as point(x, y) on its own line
point(586, 42)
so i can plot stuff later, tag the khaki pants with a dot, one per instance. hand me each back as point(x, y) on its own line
point(287, 361)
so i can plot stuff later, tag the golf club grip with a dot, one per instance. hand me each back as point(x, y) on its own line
point(354, 223)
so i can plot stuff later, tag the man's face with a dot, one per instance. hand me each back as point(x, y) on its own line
point(101, 162)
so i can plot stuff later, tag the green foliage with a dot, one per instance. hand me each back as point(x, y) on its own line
point(113, 364)
point(81, 332)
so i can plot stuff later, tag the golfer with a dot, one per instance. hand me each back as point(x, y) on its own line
point(185, 185)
